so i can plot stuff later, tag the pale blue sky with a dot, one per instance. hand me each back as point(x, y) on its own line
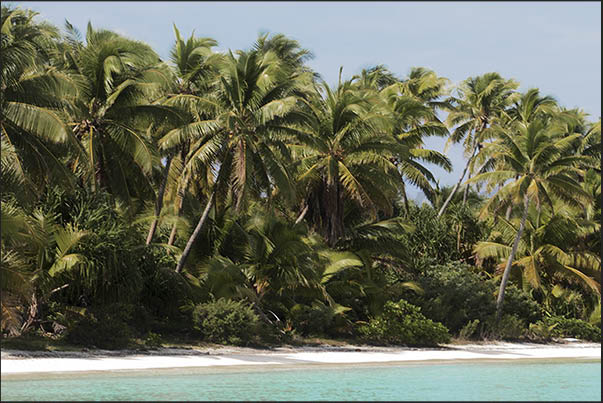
point(555, 46)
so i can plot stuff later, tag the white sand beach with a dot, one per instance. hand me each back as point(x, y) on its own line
point(22, 362)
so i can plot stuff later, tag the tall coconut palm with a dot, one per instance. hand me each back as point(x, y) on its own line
point(346, 153)
point(425, 85)
point(480, 101)
point(415, 121)
point(535, 167)
point(119, 77)
point(253, 102)
point(412, 104)
point(32, 95)
point(591, 144)
point(526, 108)
point(288, 51)
point(194, 65)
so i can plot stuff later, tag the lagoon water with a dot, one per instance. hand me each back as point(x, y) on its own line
point(545, 381)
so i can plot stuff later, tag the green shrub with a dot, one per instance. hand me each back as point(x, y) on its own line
point(432, 241)
point(153, 340)
point(575, 328)
point(519, 303)
point(509, 327)
point(105, 328)
point(595, 316)
point(225, 321)
point(454, 295)
point(469, 330)
point(403, 323)
point(540, 331)
point(315, 319)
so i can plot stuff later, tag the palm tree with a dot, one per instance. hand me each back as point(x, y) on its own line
point(547, 250)
point(345, 153)
point(412, 104)
point(15, 278)
point(35, 249)
point(273, 261)
point(527, 107)
point(32, 95)
point(535, 166)
point(425, 85)
point(118, 79)
point(481, 100)
point(288, 51)
point(253, 102)
point(415, 121)
point(591, 144)
point(194, 65)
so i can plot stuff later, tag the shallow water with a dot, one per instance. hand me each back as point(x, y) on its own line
point(545, 381)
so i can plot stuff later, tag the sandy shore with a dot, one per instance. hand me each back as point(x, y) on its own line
point(21, 362)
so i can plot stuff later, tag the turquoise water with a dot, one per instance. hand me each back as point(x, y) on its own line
point(552, 380)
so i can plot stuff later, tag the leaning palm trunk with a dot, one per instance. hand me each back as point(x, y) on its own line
point(179, 205)
point(405, 199)
point(505, 278)
point(302, 214)
point(159, 201)
point(508, 212)
point(196, 232)
point(466, 191)
point(456, 187)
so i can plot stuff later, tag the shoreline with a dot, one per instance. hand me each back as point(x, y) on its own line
point(14, 362)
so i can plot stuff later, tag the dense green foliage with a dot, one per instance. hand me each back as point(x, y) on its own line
point(454, 295)
point(403, 323)
point(235, 197)
point(226, 321)
point(557, 326)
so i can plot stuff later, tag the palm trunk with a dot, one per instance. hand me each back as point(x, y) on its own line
point(302, 214)
point(455, 188)
point(32, 313)
point(334, 213)
point(505, 278)
point(196, 232)
point(466, 191)
point(179, 205)
point(509, 207)
point(159, 201)
point(405, 199)
point(508, 212)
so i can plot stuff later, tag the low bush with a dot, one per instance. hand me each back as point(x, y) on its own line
point(558, 326)
point(315, 319)
point(226, 322)
point(403, 323)
point(455, 295)
point(518, 302)
point(541, 331)
point(469, 331)
point(105, 328)
point(509, 327)
point(153, 340)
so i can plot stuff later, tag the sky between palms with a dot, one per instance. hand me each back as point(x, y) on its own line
point(554, 46)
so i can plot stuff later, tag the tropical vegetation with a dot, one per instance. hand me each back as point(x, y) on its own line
point(236, 197)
